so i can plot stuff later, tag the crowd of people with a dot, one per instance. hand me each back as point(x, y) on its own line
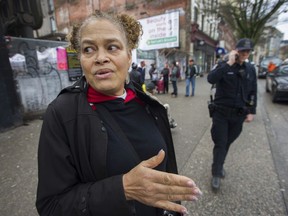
point(92, 153)
point(160, 79)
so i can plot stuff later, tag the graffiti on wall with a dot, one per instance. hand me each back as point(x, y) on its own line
point(38, 79)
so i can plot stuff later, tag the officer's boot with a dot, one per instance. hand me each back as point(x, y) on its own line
point(216, 183)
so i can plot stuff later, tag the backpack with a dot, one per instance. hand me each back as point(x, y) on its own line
point(178, 72)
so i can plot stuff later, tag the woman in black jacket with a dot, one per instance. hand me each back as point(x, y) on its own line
point(94, 158)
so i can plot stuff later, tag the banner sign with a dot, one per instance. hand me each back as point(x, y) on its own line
point(160, 31)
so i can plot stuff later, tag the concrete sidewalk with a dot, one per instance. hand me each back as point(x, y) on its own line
point(251, 186)
point(18, 163)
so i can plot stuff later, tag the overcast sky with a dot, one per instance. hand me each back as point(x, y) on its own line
point(283, 24)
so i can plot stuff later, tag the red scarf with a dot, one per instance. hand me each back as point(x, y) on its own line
point(96, 97)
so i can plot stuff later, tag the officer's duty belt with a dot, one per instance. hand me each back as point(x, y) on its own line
point(228, 111)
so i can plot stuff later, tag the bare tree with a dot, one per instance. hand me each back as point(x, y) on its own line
point(247, 18)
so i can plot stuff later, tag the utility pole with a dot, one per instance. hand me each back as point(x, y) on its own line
point(188, 29)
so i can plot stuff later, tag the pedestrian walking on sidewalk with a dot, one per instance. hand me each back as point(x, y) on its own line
point(142, 70)
point(190, 74)
point(135, 75)
point(96, 155)
point(174, 78)
point(234, 102)
point(153, 73)
point(165, 73)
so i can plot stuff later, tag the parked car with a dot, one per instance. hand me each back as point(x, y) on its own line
point(277, 83)
point(263, 67)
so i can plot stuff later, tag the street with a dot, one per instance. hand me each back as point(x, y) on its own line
point(256, 166)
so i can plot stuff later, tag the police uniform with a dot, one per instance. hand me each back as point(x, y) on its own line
point(235, 97)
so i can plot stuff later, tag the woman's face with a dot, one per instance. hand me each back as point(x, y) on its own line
point(104, 57)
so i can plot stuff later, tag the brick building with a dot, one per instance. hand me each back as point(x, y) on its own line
point(198, 34)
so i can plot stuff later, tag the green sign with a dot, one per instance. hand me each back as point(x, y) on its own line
point(162, 40)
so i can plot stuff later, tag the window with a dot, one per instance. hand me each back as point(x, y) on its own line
point(50, 6)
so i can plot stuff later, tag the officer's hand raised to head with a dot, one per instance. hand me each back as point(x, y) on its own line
point(232, 57)
point(158, 189)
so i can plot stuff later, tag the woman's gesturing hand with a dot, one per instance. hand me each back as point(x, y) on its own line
point(158, 189)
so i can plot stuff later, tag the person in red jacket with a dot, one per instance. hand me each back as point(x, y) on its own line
point(271, 66)
point(96, 155)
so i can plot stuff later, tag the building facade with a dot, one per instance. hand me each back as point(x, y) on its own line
point(30, 20)
point(198, 29)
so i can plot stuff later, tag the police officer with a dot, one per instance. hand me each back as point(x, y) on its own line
point(234, 103)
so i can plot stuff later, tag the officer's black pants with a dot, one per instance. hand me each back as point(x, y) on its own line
point(225, 129)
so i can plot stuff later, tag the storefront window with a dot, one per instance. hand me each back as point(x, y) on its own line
point(142, 54)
